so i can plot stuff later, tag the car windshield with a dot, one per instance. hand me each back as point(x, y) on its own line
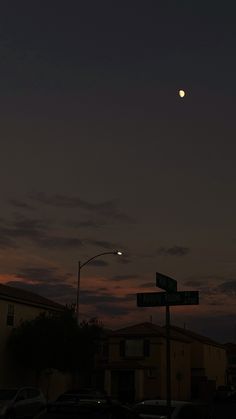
point(7, 394)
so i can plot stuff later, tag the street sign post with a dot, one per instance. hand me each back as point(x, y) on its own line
point(166, 283)
point(166, 299)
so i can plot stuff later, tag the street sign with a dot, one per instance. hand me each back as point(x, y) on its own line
point(166, 283)
point(183, 298)
point(160, 299)
point(151, 299)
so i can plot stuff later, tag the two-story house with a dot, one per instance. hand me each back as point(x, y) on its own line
point(16, 306)
point(231, 363)
point(208, 363)
point(136, 367)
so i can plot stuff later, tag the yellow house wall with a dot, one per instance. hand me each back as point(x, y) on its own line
point(155, 386)
point(197, 355)
point(152, 374)
point(210, 360)
point(215, 361)
point(180, 371)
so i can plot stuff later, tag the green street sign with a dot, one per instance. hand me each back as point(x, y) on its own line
point(166, 283)
point(151, 299)
point(184, 298)
point(160, 299)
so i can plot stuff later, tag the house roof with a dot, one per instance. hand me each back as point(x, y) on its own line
point(230, 347)
point(195, 336)
point(26, 297)
point(148, 329)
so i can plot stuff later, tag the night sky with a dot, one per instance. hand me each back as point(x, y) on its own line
point(98, 152)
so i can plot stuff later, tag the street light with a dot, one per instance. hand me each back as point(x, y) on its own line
point(80, 266)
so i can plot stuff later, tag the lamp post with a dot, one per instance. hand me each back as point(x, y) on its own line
point(80, 266)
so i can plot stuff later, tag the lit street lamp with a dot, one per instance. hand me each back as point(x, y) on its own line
point(80, 266)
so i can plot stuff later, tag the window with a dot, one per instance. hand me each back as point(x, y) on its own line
point(134, 348)
point(232, 359)
point(22, 395)
point(10, 315)
point(32, 393)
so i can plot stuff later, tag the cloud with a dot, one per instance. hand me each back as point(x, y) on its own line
point(174, 251)
point(202, 280)
point(24, 228)
point(45, 281)
point(42, 275)
point(123, 277)
point(227, 288)
point(90, 297)
point(219, 327)
point(194, 283)
point(113, 311)
point(147, 284)
point(209, 285)
point(103, 243)
point(98, 263)
point(40, 233)
point(124, 260)
point(37, 231)
point(61, 292)
point(107, 304)
point(104, 208)
point(89, 224)
point(58, 242)
point(21, 204)
point(6, 242)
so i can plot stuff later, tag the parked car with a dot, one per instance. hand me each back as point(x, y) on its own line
point(223, 392)
point(157, 409)
point(16, 403)
point(224, 409)
point(83, 395)
point(88, 410)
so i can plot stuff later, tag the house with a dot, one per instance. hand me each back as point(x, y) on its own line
point(16, 306)
point(208, 363)
point(136, 367)
point(231, 363)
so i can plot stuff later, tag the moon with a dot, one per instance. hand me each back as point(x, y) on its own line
point(182, 93)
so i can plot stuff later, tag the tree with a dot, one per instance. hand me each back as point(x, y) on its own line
point(55, 342)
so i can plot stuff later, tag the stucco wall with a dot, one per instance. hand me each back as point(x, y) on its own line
point(215, 361)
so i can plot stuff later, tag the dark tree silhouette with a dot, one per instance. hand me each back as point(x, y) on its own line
point(55, 342)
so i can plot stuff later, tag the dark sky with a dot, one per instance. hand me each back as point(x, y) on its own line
point(98, 152)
